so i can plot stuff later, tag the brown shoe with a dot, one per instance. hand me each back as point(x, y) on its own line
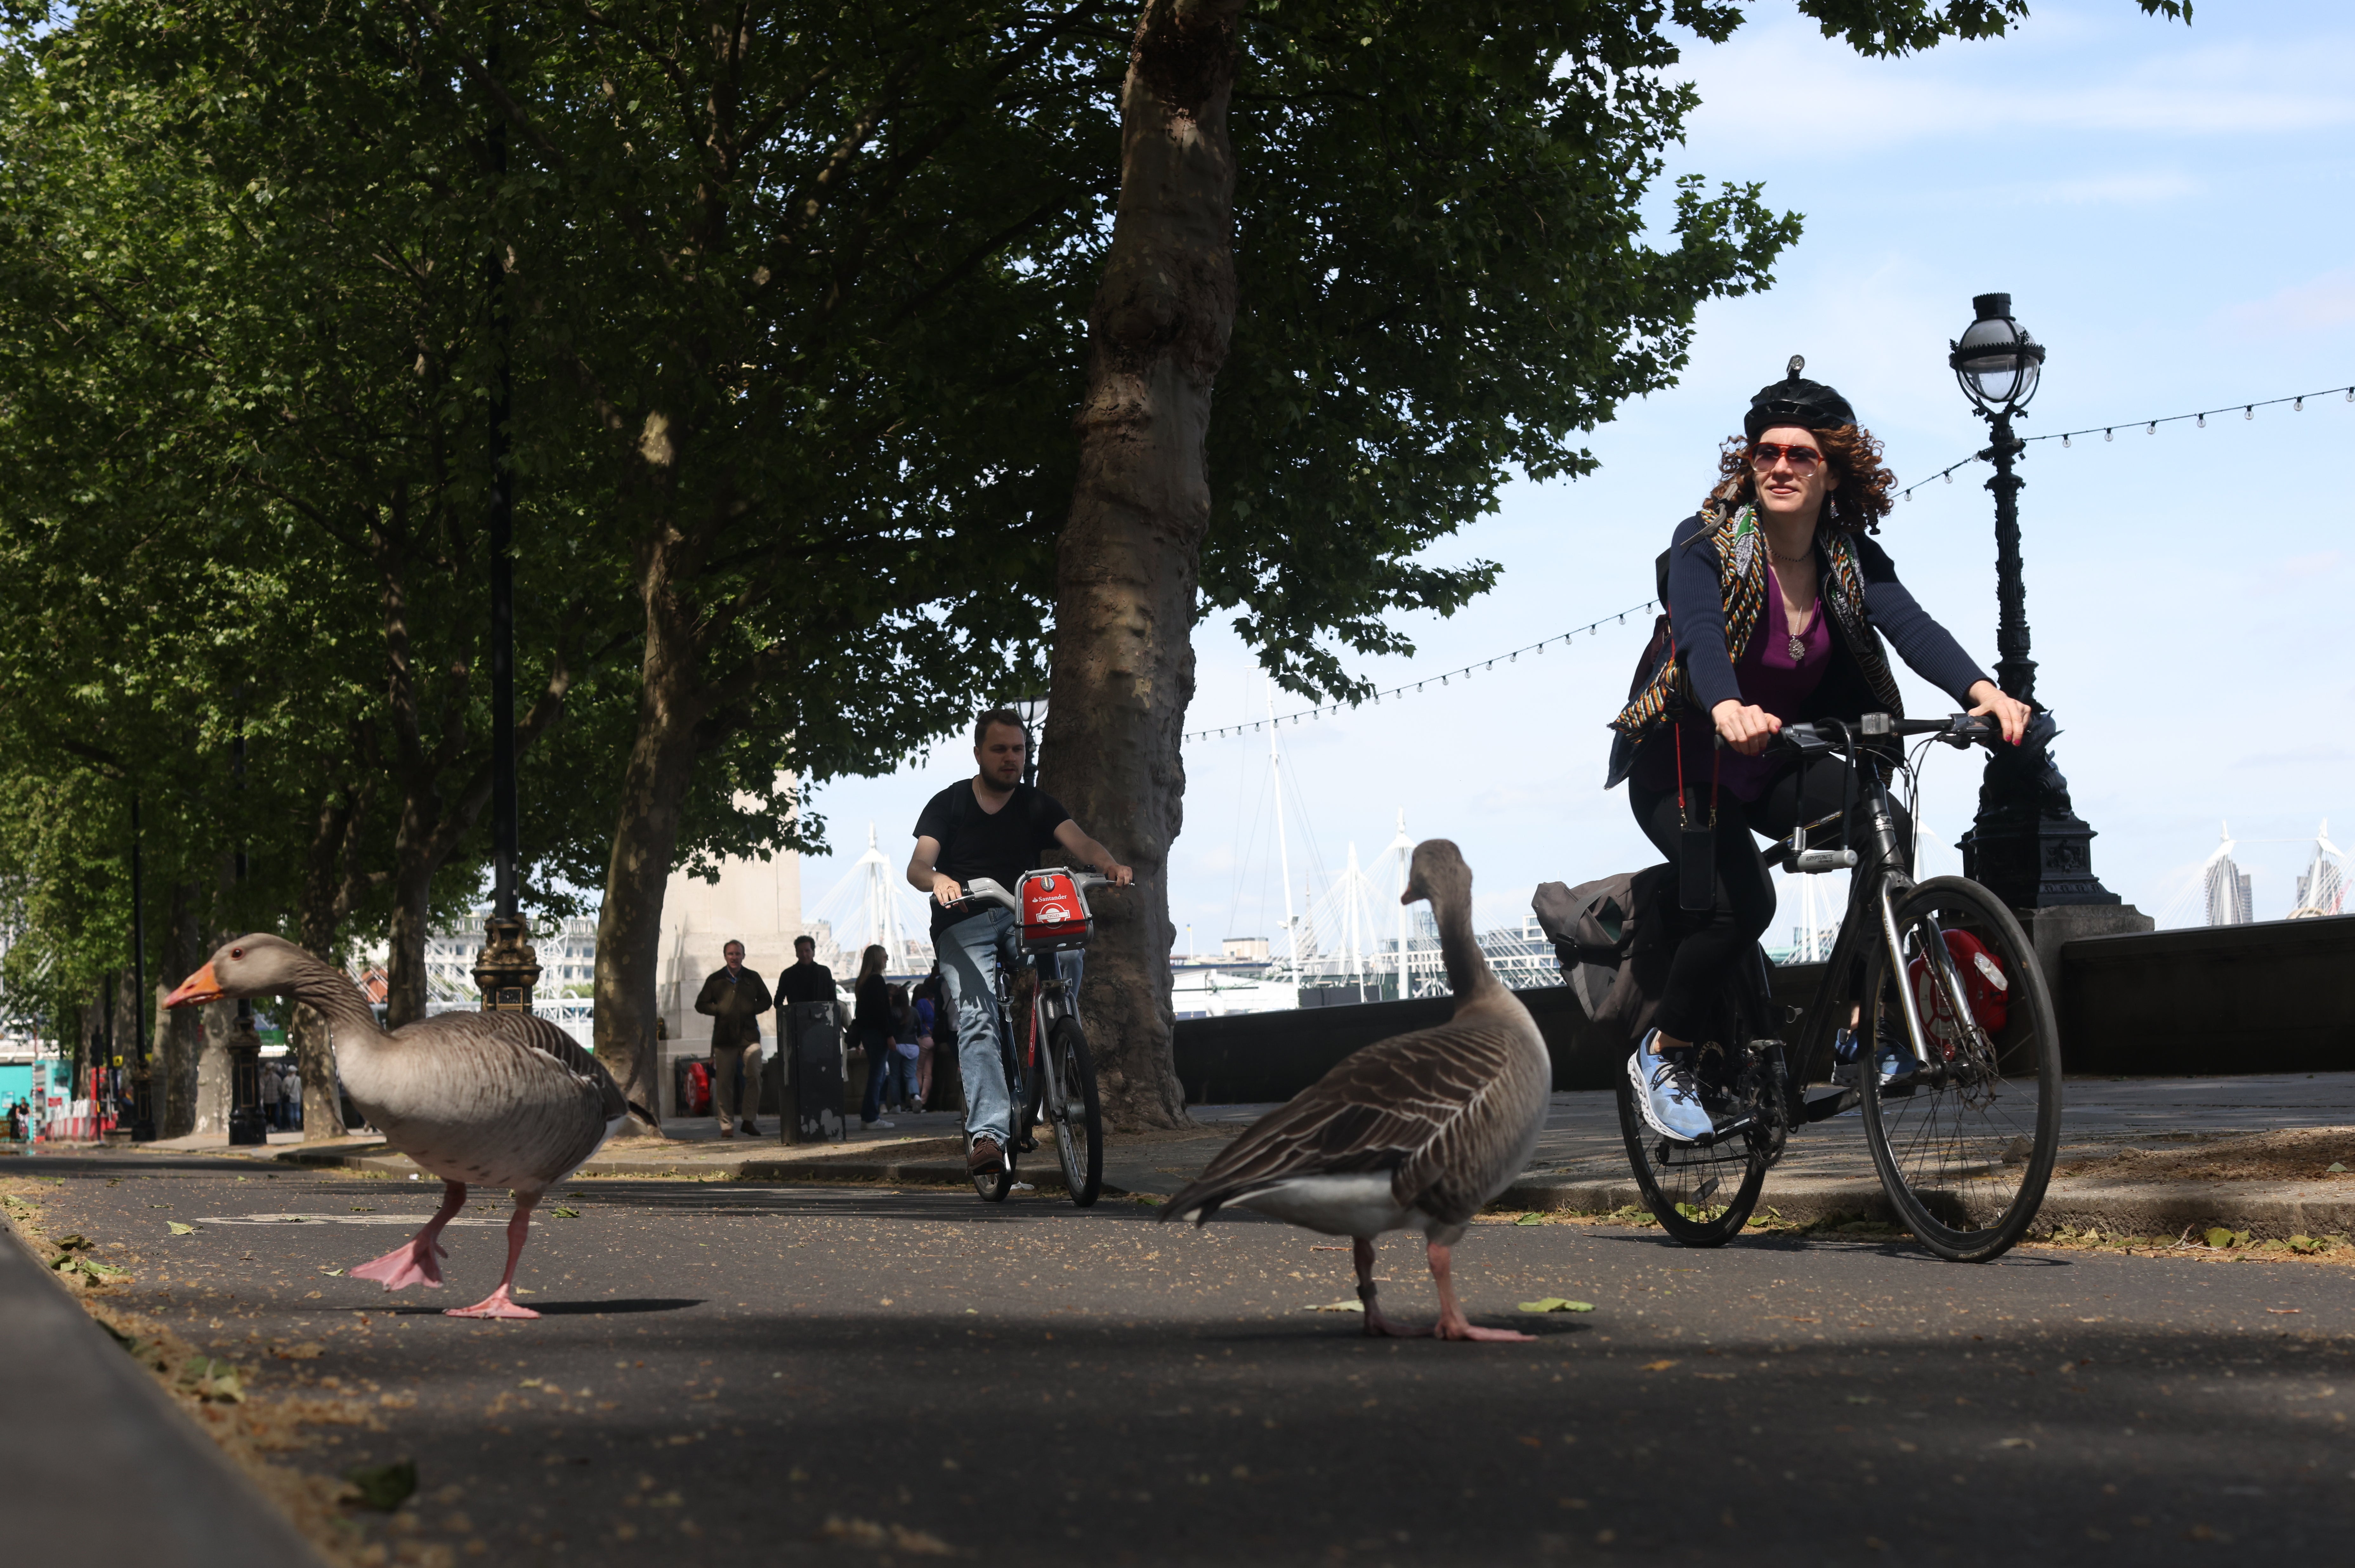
point(985, 1155)
point(728, 1131)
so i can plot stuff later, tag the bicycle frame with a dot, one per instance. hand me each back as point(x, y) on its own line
point(1889, 884)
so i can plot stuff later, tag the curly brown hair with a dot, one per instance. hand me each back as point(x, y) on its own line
point(1858, 502)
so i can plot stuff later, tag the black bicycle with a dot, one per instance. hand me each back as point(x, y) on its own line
point(1041, 1046)
point(1931, 1015)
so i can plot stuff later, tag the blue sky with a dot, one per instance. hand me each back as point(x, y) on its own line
point(2169, 206)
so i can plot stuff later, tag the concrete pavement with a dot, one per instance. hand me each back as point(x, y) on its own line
point(736, 1373)
point(1581, 1165)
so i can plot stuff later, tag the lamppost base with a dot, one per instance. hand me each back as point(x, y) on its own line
point(508, 966)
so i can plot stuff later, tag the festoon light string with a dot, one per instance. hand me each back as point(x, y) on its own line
point(2065, 437)
point(1592, 628)
point(2296, 401)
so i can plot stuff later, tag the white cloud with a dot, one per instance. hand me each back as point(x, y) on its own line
point(2317, 304)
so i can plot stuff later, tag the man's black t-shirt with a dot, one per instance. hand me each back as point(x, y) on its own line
point(976, 843)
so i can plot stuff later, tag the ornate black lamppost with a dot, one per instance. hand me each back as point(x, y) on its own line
point(506, 968)
point(2027, 844)
point(1030, 707)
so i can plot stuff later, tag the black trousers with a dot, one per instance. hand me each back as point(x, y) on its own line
point(1713, 940)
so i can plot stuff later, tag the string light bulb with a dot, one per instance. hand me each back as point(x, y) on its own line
point(2110, 434)
point(2064, 441)
point(2298, 407)
point(2249, 412)
point(2203, 420)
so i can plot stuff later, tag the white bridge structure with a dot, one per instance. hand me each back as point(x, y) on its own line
point(2221, 893)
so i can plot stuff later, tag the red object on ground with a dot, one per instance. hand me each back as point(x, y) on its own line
point(698, 1089)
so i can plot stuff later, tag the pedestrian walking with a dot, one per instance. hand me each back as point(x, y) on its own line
point(872, 1024)
point(927, 1008)
point(294, 1098)
point(904, 1052)
point(735, 998)
point(273, 1095)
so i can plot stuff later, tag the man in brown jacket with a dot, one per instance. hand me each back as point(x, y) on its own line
point(735, 998)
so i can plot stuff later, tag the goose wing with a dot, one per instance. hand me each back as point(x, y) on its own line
point(1412, 1104)
point(569, 1053)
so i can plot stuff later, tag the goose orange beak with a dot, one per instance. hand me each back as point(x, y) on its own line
point(204, 985)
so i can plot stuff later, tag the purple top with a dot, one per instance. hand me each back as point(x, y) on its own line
point(1770, 679)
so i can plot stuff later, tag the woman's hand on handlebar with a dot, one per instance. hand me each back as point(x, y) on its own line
point(2009, 711)
point(1746, 729)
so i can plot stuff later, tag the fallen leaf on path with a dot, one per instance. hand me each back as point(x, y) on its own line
point(1336, 1307)
point(1863, 1398)
point(2016, 1443)
point(2285, 1311)
point(1657, 1366)
point(1557, 1304)
point(383, 1487)
point(867, 1532)
point(179, 1229)
point(1530, 1220)
point(566, 1213)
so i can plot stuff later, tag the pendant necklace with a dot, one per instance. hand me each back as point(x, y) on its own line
point(1799, 644)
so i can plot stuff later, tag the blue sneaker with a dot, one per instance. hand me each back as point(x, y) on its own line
point(1890, 1058)
point(1666, 1092)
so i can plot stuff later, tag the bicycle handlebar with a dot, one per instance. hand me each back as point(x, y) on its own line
point(995, 891)
point(1828, 735)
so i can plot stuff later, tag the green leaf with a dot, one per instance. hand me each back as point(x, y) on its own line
point(383, 1487)
point(179, 1229)
point(1557, 1304)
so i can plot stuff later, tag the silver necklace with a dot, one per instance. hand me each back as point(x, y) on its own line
point(1798, 642)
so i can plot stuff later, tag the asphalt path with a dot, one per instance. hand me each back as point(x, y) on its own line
point(724, 1369)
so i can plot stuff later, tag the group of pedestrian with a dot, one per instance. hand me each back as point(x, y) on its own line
point(281, 1096)
point(20, 1122)
point(893, 1026)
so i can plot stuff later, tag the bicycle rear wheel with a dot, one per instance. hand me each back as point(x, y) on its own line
point(1964, 1147)
point(1702, 1197)
point(1077, 1113)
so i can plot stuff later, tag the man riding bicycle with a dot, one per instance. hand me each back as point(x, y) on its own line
point(992, 825)
point(1777, 601)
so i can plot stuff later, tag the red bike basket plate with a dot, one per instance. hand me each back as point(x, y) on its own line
point(1984, 986)
point(1054, 914)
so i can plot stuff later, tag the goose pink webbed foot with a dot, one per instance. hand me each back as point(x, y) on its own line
point(418, 1260)
point(1452, 1323)
point(501, 1303)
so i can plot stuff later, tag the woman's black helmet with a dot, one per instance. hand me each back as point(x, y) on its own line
point(1810, 405)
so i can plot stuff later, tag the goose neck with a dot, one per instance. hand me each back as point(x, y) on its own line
point(1459, 948)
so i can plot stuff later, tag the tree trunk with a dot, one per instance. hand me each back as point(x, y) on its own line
point(1129, 563)
point(654, 788)
point(414, 863)
point(212, 1069)
point(324, 894)
point(179, 1037)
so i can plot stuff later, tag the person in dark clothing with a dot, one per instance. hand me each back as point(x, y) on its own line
point(805, 979)
point(1776, 603)
point(734, 997)
point(991, 825)
point(872, 1025)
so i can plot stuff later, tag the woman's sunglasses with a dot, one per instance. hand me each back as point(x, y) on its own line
point(1802, 459)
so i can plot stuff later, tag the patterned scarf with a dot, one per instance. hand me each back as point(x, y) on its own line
point(1744, 583)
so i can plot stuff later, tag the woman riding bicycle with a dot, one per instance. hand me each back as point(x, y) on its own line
point(1776, 603)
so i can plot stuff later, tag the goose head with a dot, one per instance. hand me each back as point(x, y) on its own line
point(1439, 874)
point(256, 966)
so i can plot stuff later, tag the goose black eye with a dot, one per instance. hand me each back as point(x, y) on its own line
point(236, 951)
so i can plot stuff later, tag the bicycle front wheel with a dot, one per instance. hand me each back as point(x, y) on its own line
point(1077, 1113)
point(1702, 1197)
point(1964, 1144)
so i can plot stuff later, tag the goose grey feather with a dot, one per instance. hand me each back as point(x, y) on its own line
point(497, 1099)
point(1450, 1114)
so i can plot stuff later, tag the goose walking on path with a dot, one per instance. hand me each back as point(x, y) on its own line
point(498, 1099)
point(1417, 1132)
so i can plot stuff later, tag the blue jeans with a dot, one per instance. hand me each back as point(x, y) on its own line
point(969, 952)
